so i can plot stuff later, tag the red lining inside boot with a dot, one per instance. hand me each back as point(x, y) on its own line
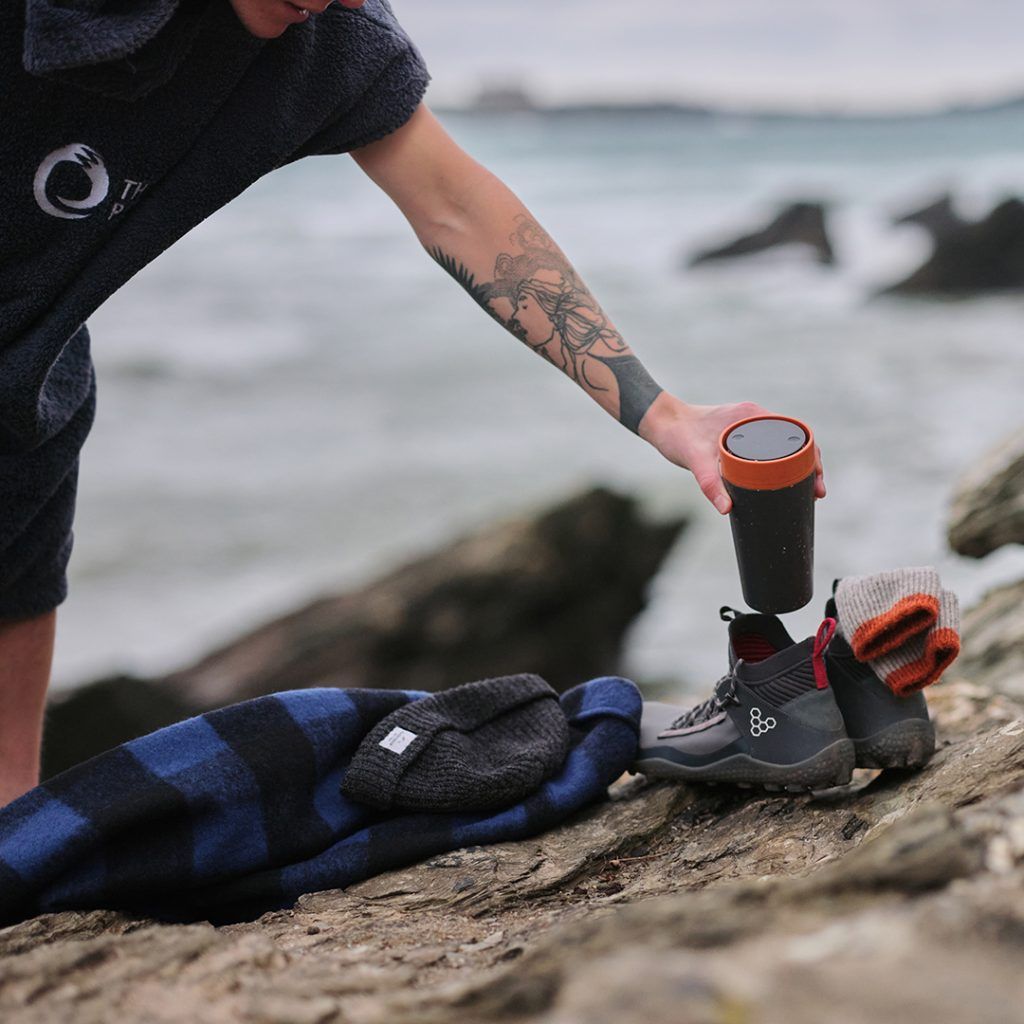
point(753, 647)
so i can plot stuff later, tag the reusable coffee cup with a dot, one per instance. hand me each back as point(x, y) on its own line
point(767, 465)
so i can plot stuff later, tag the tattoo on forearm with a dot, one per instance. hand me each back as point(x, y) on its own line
point(537, 295)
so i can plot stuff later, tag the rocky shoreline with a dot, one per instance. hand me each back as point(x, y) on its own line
point(898, 897)
point(666, 903)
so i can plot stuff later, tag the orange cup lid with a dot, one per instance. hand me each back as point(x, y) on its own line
point(747, 458)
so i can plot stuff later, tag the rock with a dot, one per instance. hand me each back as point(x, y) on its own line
point(489, 877)
point(938, 217)
point(923, 850)
point(988, 504)
point(103, 714)
point(976, 257)
point(993, 641)
point(901, 895)
point(552, 594)
point(987, 512)
point(76, 925)
point(799, 223)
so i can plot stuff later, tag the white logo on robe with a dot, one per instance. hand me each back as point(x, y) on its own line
point(93, 172)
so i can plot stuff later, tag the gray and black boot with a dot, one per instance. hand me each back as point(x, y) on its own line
point(771, 722)
point(887, 731)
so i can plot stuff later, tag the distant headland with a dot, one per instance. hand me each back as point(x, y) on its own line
point(511, 98)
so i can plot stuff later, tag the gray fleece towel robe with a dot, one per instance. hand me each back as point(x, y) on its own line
point(124, 126)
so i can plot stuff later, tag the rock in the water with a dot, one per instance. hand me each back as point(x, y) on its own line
point(938, 218)
point(799, 223)
point(552, 594)
point(988, 504)
point(976, 257)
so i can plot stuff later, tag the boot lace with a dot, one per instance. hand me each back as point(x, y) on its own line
point(717, 702)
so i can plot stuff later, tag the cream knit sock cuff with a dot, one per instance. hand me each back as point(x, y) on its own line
point(879, 612)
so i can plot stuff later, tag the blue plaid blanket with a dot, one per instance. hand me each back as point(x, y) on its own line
point(239, 810)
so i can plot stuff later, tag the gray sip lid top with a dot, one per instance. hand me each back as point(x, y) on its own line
point(764, 440)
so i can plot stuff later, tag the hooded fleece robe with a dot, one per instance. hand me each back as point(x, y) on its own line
point(125, 125)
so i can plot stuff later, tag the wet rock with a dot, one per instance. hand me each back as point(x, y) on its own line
point(797, 224)
point(984, 256)
point(938, 217)
point(988, 503)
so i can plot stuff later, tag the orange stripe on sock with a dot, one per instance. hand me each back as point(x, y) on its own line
point(941, 648)
point(909, 616)
point(943, 645)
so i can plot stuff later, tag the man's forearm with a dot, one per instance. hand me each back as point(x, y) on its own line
point(509, 264)
point(487, 240)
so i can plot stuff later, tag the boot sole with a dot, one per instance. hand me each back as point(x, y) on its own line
point(831, 766)
point(906, 744)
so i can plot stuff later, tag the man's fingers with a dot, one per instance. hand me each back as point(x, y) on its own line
point(710, 483)
point(819, 480)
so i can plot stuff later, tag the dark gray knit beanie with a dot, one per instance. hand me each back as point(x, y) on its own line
point(475, 747)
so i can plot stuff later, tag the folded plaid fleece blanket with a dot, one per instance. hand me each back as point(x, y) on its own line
point(239, 810)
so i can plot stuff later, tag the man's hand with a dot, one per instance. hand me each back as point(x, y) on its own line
point(688, 436)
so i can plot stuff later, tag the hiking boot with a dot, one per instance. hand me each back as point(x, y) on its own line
point(771, 722)
point(887, 731)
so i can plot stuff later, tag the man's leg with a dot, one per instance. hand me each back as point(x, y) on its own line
point(26, 654)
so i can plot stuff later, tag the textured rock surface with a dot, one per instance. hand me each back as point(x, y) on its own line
point(900, 897)
point(551, 594)
point(988, 504)
point(993, 648)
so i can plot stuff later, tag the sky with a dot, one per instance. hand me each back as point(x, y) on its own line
point(810, 54)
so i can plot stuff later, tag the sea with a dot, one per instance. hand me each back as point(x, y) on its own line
point(295, 399)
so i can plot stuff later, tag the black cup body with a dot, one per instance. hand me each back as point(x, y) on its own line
point(773, 533)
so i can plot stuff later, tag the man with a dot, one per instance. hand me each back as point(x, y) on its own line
point(122, 132)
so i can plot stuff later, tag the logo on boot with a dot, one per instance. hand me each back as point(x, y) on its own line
point(758, 725)
point(86, 170)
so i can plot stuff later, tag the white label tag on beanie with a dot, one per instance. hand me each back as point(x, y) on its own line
point(397, 740)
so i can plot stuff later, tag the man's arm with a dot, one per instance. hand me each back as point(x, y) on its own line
point(482, 235)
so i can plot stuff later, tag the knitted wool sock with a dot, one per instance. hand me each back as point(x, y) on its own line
point(878, 613)
point(925, 656)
